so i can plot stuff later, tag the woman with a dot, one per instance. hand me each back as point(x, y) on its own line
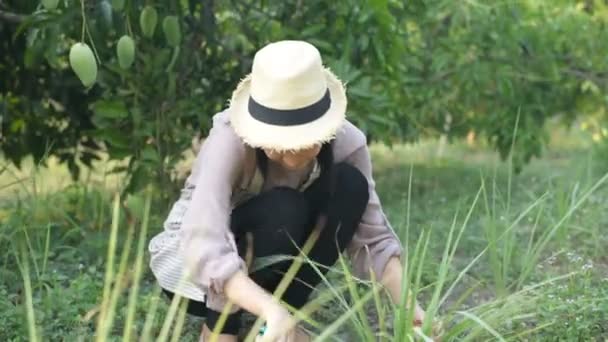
point(279, 163)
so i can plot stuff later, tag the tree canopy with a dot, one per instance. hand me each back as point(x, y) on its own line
point(413, 69)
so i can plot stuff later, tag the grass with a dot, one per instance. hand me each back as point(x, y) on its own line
point(491, 254)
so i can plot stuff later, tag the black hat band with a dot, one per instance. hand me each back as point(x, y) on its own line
point(289, 117)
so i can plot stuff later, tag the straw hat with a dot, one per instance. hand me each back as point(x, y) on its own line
point(289, 101)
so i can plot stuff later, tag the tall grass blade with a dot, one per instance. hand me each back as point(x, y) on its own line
point(483, 324)
point(263, 262)
point(164, 331)
point(474, 261)
point(540, 246)
point(27, 286)
point(22, 181)
point(404, 310)
point(510, 174)
point(464, 224)
point(47, 246)
point(179, 323)
point(379, 306)
point(146, 334)
point(221, 322)
point(409, 205)
point(286, 280)
point(460, 300)
point(315, 304)
point(119, 284)
point(418, 332)
point(529, 250)
point(363, 325)
point(109, 274)
point(446, 261)
point(333, 328)
point(32, 251)
point(317, 268)
point(519, 335)
point(415, 289)
point(518, 300)
point(134, 293)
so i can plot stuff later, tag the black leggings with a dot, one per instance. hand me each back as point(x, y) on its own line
point(280, 217)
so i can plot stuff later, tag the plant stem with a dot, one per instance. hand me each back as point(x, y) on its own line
point(93, 46)
point(84, 20)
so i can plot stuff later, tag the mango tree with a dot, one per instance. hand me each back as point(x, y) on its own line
point(135, 80)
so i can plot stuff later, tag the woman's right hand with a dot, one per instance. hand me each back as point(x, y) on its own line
point(280, 325)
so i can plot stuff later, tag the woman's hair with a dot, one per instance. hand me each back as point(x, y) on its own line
point(325, 158)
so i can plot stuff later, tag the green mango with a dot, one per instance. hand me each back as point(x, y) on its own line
point(171, 29)
point(147, 21)
point(50, 5)
point(125, 50)
point(83, 63)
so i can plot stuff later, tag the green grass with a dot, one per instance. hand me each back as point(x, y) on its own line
point(493, 255)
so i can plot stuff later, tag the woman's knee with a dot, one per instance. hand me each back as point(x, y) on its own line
point(285, 214)
point(351, 185)
point(279, 206)
point(287, 207)
point(231, 325)
point(348, 203)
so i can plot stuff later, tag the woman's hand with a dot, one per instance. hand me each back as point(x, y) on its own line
point(280, 325)
point(392, 279)
point(418, 315)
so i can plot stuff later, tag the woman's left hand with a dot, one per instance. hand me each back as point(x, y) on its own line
point(436, 328)
point(419, 315)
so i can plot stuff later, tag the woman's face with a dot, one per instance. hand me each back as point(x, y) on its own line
point(294, 160)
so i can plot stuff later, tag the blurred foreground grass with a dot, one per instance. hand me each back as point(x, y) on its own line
point(492, 254)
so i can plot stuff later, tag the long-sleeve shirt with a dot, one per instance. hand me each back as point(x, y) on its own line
point(197, 238)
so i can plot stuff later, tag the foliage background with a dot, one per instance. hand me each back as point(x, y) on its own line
point(414, 69)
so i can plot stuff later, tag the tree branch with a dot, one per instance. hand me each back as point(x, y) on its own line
point(11, 17)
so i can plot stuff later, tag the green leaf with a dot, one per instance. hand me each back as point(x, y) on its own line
point(135, 203)
point(140, 177)
point(150, 154)
point(114, 137)
point(17, 126)
point(379, 52)
point(33, 56)
point(119, 153)
point(110, 109)
point(321, 44)
point(312, 31)
point(171, 84)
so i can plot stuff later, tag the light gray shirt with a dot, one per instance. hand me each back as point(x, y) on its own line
point(205, 239)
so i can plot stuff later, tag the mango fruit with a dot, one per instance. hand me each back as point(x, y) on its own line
point(147, 21)
point(50, 5)
point(171, 29)
point(125, 50)
point(83, 63)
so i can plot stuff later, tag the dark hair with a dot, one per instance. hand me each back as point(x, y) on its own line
point(325, 158)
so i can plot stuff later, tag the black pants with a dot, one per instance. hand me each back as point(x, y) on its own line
point(280, 217)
